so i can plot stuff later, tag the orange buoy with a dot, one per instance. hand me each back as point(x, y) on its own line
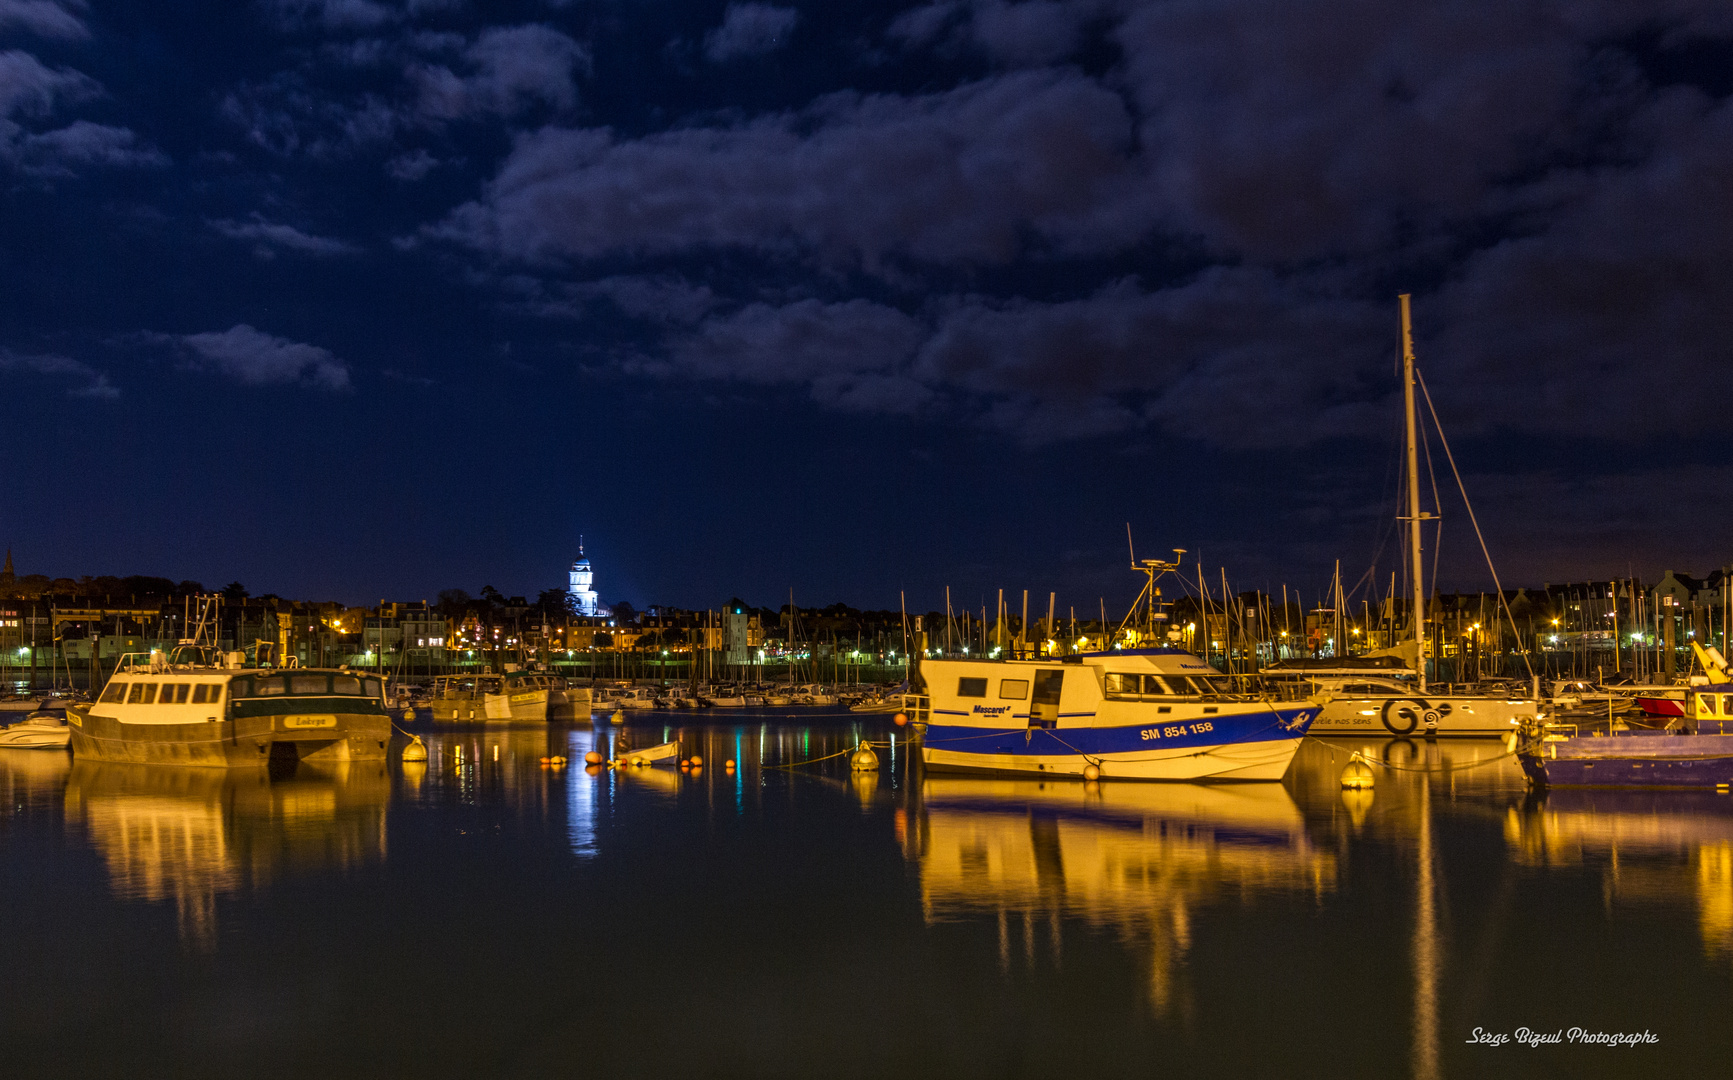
point(684, 762)
point(902, 718)
point(545, 760)
point(696, 761)
point(729, 764)
point(592, 758)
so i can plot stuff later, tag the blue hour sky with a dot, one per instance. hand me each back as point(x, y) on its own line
point(357, 299)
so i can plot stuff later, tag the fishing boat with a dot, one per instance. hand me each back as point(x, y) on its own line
point(194, 707)
point(1132, 714)
point(1359, 705)
point(38, 731)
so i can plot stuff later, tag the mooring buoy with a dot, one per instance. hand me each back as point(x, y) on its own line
point(1358, 775)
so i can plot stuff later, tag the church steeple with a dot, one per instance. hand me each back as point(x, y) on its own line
point(7, 574)
point(582, 588)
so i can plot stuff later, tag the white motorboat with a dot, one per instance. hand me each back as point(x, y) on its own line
point(650, 755)
point(38, 731)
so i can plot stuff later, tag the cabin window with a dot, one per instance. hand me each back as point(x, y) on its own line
point(1357, 688)
point(199, 692)
point(143, 693)
point(174, 693)
point(345, 684)
point(116, 692)
point(1014, 689)
point(268, 687)
point(1175, 684)
point(1708, 701)
point(370, 687)
point(309, 684)
point(967, 687)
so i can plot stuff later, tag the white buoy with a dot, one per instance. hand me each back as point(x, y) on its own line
point(863, 760)
point(1358, 775)
point(416, 750)
point(1091, 772)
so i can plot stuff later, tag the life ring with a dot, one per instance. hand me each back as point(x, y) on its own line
point(1413, 715)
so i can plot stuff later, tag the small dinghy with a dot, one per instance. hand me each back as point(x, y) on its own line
point(650, 755)
point(39, 731)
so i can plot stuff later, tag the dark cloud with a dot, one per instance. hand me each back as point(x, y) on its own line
point(339, 15)
point(269, 238)
point(88, 382)
point(256, 358)
point(412, 166)
point(1492, 157)
point(750, 30)
point(961, 176)
point(47, 18)
point(508, 68)
point(31, 90)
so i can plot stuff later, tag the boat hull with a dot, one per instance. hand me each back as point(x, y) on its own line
point(1474, 717)
point(1662, 706)
point(1245, 747)
point(242, 741)
point(1631, 761)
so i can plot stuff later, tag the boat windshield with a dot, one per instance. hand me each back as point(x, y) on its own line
point(307, 684)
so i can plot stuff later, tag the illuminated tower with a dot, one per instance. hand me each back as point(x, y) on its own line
point(582, 591)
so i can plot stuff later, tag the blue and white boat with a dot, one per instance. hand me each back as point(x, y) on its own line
point(1136, 714)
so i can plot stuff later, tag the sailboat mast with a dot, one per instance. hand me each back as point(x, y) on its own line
point(1419, 592)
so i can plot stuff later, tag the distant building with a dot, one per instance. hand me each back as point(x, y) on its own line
point(582, 588)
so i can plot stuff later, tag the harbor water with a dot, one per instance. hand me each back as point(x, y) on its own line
point(489, 914)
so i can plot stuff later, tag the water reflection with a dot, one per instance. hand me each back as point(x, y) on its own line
point(31, 780)
point(1667, 849)
point(1136, 860)
point(193, 835)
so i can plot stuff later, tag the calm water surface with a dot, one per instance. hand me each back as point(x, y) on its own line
point(484, 915)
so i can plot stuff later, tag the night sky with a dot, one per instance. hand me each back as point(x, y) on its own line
point(354, 299)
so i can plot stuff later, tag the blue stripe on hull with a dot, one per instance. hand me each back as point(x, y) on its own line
point(1237, 728)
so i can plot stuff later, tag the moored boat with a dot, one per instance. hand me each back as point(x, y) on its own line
point(516, 697)
point(1379, 692)
point(192, 710)
point(1698, 755)
point(1149, 714)
point(38, 731)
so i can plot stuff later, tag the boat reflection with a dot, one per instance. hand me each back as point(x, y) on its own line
point(1654, 849)
point(32, 780)
point(1136, 860)
point(193, 835)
